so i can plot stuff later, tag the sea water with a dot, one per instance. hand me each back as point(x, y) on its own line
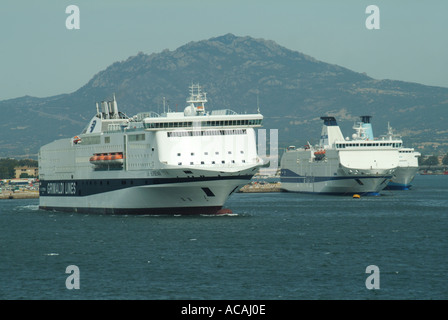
point(275, 246)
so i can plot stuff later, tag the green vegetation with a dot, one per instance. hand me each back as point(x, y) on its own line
point(432, 160)
point(7, 166)
point(445, 159)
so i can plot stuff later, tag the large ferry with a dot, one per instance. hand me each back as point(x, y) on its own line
point(186, 162)
point(339, 165)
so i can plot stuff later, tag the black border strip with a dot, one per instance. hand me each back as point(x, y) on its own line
point(88, 187)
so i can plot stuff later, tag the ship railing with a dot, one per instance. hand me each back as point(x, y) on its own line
point(117, 127)
point(142, 115)
point(223, 112)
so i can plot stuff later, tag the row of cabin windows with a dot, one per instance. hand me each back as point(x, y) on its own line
point(212, 162)
point(108, 182)
point(206, 153)
point(205, 133)
point(186, 124)
point(369, 144)
point(131, 138)
point(97, 139)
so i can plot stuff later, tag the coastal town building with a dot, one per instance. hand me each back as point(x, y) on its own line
point(25, 172)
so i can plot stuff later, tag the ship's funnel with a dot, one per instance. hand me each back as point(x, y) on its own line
point(330, 132)
point(114, 108)
point(367, 126)
point(105, 109)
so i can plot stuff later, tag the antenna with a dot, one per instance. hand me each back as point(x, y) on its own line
point(258, 104)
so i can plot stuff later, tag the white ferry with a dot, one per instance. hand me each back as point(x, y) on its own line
point(406, 171)
point(186, 162)
point(340, 166)
point(407, 165)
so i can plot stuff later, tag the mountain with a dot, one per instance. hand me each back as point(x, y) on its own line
point(293, 91)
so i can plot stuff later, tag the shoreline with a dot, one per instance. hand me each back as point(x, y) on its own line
point(19, 195)
point(259, 188)
point(249, 188)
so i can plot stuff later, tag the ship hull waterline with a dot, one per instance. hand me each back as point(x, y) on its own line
point(347, 185)
point(187, 198)
point(403, 178)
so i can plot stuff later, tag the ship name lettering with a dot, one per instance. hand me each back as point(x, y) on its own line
point(155, 173)
point(68, 188)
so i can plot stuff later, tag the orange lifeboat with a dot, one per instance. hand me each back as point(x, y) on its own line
point(107, 159)
point(116, 158)
point(76, 139)
point(119, 156)
point(95, 159)
point(320, 154)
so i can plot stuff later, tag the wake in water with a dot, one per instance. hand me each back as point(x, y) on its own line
point(221, 215)
point(32, 207)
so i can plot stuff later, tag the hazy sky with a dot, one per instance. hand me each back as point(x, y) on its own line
point(40, 57)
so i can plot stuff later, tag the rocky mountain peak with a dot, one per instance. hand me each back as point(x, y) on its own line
point(293, 90)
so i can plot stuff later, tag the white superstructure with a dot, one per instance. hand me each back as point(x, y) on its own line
point(186, 162)
point(340, 166)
